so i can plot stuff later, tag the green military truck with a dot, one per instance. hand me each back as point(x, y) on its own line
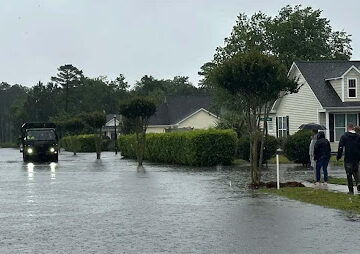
point(39, 142)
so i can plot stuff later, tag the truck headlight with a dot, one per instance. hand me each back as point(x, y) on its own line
point(52, 149)
point(29, 150)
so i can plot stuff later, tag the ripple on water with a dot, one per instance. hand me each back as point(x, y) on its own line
point(81, 205)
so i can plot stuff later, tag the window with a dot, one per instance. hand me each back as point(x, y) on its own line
point(352, 88)
point(341, 120)
point(282, 126)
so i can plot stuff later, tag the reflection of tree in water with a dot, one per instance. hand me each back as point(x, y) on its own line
point(141, 169)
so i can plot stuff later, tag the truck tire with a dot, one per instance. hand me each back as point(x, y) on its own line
point(55, 158)
point(25, 157)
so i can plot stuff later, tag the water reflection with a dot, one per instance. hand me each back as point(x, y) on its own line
point(53, 170)
point(141, 169)
point(30, 170)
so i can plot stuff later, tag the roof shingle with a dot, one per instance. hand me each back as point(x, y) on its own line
point(176, 108)
point(316, 73)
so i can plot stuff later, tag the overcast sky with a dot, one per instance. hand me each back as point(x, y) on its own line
point(163, 38)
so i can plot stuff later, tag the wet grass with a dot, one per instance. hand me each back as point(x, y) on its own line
point(334, 162)
point(336, 200)
point(282, 160)
point(334, 180)
point(337, 180)
point(8, 145)
point(240, 162)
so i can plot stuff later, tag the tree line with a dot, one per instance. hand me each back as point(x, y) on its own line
point(70, 93)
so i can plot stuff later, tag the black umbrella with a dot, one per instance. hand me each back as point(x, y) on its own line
point(312, 126)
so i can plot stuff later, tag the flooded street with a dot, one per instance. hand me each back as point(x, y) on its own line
point(81, 205)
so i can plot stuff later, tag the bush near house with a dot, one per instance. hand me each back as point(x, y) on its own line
point(196, 148)
point(296, 147)
point(84, 143)
point(270, 146)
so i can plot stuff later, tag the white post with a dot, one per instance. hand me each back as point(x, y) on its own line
point(278, 152)
point(277, 171)
point(327, 125)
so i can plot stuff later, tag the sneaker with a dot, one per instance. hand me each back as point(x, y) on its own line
point(317, 184)
point(325, 183)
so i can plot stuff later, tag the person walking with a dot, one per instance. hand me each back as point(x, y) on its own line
point(322, 154)
point(351, 142)
point(311, 153)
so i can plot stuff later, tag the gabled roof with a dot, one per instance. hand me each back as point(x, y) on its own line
point(317, 74)
point(177, 108)
point(110, 120)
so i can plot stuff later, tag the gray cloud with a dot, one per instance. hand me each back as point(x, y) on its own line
point(163, 38)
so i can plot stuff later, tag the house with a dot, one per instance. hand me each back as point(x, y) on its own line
point(181, 113)
point(109, 128)
point(329, 95)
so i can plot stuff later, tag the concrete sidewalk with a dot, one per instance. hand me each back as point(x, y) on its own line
point(330, 187)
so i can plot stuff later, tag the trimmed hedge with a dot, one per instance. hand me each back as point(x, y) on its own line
point(196, 148)
point(296, 147)
point(270, 146)
point(86, 143)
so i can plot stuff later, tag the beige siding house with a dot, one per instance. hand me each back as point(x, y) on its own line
point(329, 95)
point(181, 113)
point(108, 129)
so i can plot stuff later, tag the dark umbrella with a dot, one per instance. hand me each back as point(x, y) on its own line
point(312, 126)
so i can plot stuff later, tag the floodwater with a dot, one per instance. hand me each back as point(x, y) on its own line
point(81, 205)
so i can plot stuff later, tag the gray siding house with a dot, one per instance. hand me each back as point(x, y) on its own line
point(329, 95)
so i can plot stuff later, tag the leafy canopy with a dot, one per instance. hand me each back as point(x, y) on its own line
point(68, 75)
point(255, 78)
point(138, 108)
point(296, 33)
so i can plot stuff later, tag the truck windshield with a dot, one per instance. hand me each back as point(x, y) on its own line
point(40, 135)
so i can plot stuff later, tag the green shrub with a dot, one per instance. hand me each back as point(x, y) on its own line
point(270, 146)
point(82, 143)
point(8, 145)
point(199, 148)
point(296, 147)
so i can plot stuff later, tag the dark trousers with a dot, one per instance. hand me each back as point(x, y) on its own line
point(323, 163)
point(352, 170)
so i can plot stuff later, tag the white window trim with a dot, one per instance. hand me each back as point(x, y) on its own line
point(348, 88)
point(346, 116)
point(281, 129)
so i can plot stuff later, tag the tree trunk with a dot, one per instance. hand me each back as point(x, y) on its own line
point(98, 143)
point(66, 98)
point(254, 166)
point(140, 141)
point(262, 145)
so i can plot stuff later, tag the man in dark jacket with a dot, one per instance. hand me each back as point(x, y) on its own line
point(322, 154)
point(351, 142)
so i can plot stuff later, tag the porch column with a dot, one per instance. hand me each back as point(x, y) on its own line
point(327, 125)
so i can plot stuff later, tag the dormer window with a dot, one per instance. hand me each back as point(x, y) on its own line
point(352, 87)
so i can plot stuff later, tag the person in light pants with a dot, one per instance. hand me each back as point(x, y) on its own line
point(311, 153)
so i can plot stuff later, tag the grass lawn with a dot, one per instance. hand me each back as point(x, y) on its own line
point(336, 200)
point(8, 145)
point(282, 160)
point(239, 162)
point(334, 162)
point(337, 180)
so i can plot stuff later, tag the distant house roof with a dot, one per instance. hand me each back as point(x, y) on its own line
point(317, 75)
point(177, 108)
point(110, 120)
